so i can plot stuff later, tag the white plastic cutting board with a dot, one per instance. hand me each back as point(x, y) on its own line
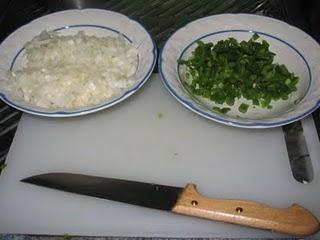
point(149, 137)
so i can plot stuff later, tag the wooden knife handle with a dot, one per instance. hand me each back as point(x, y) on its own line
point(294, 220)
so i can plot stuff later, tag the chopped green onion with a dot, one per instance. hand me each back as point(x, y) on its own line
point(243, 108)
point(228, 70)
point(221, 110)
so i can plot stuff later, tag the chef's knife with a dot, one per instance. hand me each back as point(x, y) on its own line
point(294, 220)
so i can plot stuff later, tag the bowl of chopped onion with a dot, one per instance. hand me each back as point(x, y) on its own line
point(75, 62)
point(243, 70)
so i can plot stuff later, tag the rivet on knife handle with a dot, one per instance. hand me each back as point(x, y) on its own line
point(294, 220)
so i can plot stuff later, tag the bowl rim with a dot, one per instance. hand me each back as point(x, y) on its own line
point(103, 105)
point(254, 123)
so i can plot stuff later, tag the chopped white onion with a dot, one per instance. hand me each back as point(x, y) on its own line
point(74, 71)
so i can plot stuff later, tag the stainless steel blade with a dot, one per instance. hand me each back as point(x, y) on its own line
point(137, 193)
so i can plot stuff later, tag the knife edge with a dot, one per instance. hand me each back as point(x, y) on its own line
point(149, 195)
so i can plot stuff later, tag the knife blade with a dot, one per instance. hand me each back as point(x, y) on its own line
point(294, 220)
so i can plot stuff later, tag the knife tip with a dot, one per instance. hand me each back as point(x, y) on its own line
point(34, 178)
point(27, 180)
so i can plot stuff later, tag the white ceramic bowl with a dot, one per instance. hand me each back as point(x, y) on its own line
point(93, 22)
point(294, 48)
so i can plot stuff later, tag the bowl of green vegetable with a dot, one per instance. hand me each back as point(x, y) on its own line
point(243, 70)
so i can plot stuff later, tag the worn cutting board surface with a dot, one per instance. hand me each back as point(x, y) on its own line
point(149, 137)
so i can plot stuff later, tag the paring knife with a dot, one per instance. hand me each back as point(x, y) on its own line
point(294, 220)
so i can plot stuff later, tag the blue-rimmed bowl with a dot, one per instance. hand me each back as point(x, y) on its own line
point(294, 48)
point(92, 22)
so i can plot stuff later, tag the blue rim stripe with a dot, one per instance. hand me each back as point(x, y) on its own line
point(104, 105)
point(254, 123)
point(251, 31)
point(68, 27)
point(91, 25)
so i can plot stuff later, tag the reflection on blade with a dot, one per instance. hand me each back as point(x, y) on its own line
point(137, 193)
point(298, 153)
